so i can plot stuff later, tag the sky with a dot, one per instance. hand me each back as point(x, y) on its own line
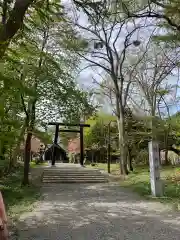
point(86, 76)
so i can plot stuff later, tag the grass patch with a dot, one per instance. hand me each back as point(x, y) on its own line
point(17, 198)
point(139, 181)
point(34, 165)
point(103, 166)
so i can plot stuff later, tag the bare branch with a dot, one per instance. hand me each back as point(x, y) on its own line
point(95, 63)
point(150, 79)
point(152, 14)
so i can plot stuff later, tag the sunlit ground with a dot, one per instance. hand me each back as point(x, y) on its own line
point(139, 181)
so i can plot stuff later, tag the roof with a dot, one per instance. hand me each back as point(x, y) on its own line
point(57, 146)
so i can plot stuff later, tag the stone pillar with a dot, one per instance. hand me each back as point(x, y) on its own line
point(154, 164)
point(81, 147)
point(54, 145)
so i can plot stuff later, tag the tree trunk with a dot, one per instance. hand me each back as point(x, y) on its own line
point(166, 160)
point(13, 160)
point(121, 130)
point(2, 151)
point(129, 160)
point(123, 148)
point(27, 157)
point(13, 24)
point(92, 160)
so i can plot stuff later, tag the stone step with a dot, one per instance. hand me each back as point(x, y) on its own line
point(73, 174)
point(72, 177)
point(75, 181)
point(70, 173)
point(78, 172)
point(67, 176)
point(70, 170)
point(81, 177)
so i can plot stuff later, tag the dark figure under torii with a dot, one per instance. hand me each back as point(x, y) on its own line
point(80, 131)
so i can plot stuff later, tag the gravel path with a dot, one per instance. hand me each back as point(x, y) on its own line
point(93, 212)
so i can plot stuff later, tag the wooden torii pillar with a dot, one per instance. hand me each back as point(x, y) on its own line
point(81, 131)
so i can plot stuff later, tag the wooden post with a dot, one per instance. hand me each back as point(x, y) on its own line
point(55, 143)
point(81, 146)
point(109, 158)
point(109, 150)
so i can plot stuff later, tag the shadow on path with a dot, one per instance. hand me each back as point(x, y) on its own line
point(93, 212)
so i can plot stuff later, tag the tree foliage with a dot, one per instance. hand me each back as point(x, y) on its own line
point(41, 51)
point(37, 81)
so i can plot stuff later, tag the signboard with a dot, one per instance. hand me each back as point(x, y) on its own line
point(154, 164)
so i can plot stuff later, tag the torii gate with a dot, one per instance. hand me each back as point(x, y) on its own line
point(57, 130)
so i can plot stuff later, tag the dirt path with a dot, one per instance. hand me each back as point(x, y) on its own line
point(93, 212)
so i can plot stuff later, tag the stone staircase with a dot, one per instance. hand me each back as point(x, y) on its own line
point(72, 174)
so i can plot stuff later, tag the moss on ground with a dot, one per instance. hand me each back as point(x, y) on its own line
point(18, 198)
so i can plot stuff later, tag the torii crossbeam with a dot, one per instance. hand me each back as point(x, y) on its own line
point(57, 130)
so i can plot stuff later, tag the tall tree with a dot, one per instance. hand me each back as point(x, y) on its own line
point(111, 36)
